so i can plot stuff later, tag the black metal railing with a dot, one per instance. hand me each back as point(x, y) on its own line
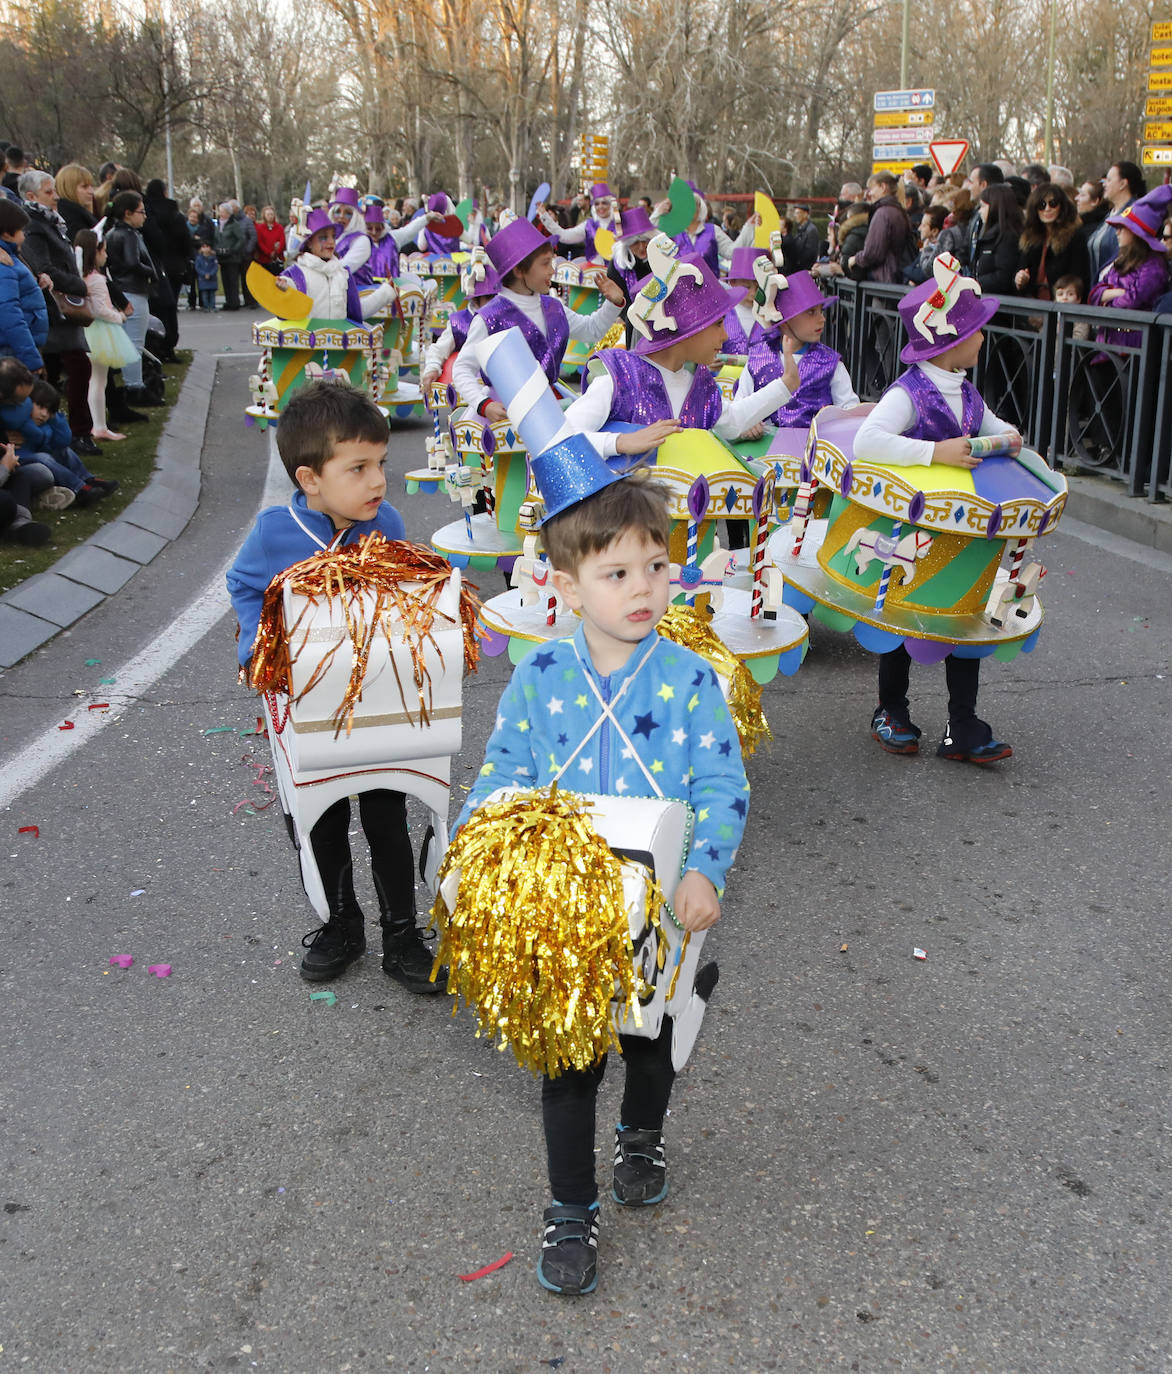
point(1084, 405)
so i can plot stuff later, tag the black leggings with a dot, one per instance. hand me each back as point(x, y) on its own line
point(392, 864)
point(962, 676)
point(567, 1111)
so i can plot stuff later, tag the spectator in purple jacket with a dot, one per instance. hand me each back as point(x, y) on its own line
point(889, 245)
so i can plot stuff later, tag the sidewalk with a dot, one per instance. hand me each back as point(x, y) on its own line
point(43, 606)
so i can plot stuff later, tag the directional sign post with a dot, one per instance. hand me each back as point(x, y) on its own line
point(905, 100)
point(1159, 79)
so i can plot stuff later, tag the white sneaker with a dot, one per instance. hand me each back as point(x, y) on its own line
point(56, 498)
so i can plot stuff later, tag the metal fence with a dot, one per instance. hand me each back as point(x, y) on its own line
point(1084, 405)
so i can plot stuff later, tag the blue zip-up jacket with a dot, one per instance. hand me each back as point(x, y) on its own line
point(276, 542)
point(24, 316)
point(51, 437)
point(674, 714)
point(18, 417)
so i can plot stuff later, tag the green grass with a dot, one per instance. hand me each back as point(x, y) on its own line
point(132, 461)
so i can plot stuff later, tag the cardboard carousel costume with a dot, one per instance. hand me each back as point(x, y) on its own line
point(913, 554)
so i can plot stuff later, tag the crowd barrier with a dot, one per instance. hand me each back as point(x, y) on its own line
point(1084, 405)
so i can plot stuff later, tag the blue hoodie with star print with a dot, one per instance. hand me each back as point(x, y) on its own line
point(669, 704)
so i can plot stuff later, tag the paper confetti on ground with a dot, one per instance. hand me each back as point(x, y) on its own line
point(122, 960)
point(33, 830)
point(488, 1268)
point(329, 998)
point(160, 970)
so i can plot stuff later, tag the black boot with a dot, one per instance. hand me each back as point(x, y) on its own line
point(332, 947)
point(343, 937)
point(118, 408)
point(408, 958)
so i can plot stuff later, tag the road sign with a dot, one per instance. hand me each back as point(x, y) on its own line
point(948, 154)
point(1157, 157)
point(1160, 81)
point(898, 168)
point(891, 119)
point(906, 133)
point(905, 100)
point(902, 152)
point(1158, 106)
point(1162, 33)
point(1158, 133)
point(1161, 57)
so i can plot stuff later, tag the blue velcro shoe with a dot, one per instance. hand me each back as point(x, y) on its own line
point(893, 734)
point(569, 1249)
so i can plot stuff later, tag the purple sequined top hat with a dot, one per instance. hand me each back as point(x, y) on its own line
point(437, 204)
point(743, 258)
point(636, 224)
point(682, 297)
point(514, 243)
point(800, 293)
point(601, 191)
point(374, 214)
point(1145, 217)
point(566, 466)
point(316, 221)
point(345, 195)
point(945, 310)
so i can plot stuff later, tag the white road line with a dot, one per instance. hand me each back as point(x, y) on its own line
point(133, 678)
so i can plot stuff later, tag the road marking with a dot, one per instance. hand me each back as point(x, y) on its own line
point(53, 746)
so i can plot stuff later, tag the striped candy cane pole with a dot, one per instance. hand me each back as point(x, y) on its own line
point(516, 377)
point(803, 505)
point(1015, 559)
point(884, 581)
point(762, 503)
point(697, 509)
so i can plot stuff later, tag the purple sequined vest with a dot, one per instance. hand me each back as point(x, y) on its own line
point(738, 341)
point(704, 247)
point(460, 322)
point(934, 418)
point(816, 366)
point(500, 314)
point(383, 262)
point(641, 398)
point(438, 246)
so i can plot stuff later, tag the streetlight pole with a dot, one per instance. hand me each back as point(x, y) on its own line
point(1050, 88)
point(903, 47)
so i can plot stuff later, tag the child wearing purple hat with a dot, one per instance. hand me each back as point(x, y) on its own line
point(741, 323)
point(629, 267)
point(322, 275)
point(811, 372)
point(927, 416)
point(351, 245)
point(1139, 274)
point(603, 215)
point(523, 259)
point(383, 261)
point(665, 383)
point(480, 284)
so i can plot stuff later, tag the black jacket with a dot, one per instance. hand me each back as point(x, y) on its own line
point(46, 249)
point(128, 261)
point(166, 236)
point(995, 262)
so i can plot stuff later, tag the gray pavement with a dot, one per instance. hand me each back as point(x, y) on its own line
point(875, 1163)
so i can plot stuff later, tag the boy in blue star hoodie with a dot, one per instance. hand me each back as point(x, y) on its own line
point(664, 731)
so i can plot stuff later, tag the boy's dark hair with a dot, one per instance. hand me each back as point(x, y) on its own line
point(13, 373)
point(635, 503)
point(45, 394)
point(12, 217)
point(123, 203)
point(321, 415)
point(1071, 283)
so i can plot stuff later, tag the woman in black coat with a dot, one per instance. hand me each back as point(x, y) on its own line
point(169, 244)
point(47, 249)
point(995, 253)
point(1053, 244)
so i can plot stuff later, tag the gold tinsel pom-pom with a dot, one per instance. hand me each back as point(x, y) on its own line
point(686, 626)
point(538, 942)
point(406, 580)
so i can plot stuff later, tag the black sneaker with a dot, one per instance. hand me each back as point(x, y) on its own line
point(408, 958)
point(992, 751)
point(107, 484)
point(140, 396)
point(32, 534)
point(90, 495)
point(86, 445)
point(640, 1169)
point(331, 948)
point(894, 735)
point(569, 1249)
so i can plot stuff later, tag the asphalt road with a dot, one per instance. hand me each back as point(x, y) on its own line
point(876, 1163)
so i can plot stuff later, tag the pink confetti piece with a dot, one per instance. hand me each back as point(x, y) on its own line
point(33, 830)
point(69, 725)
point(122, 960)
point(488, 1268)
point(160, 970)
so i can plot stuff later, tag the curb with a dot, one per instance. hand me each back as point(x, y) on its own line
point(1104, 503)
point(44, 605)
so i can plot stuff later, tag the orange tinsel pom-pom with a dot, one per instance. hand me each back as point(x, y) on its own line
point(375, 584)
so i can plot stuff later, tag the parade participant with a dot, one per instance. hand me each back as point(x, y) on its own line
point(603, 215)
point(332, 440)
point(325, 279)
point(927, 416)
point(585, 710)
point(384, 252)
point(629, 267)
point(352, 246)
point(523, 259)
point(705, 239)
point(811, 372)
point(428, 239)
point(480, 284)
point(741, 324)
point(665, 383)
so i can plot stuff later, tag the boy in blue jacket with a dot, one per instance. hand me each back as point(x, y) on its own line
point(49, 433)
point(664, 731)
point(333, 442)
point(35, 439)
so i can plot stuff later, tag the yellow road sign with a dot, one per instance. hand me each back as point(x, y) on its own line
point(1162, 33)
point(896, 119)
point(1160, 81)
point(1161, 57)
point(1158, 133)
point(1157, 157)
point(899, 168)
point(1158, 106)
